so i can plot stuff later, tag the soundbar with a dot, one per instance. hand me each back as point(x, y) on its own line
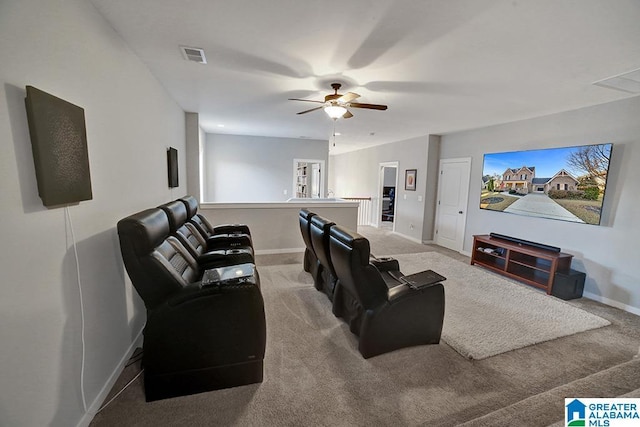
point(525, 242)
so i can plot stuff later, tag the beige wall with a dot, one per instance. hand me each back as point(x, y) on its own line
point(67, 49)
point(274, 226)
point(607, 253)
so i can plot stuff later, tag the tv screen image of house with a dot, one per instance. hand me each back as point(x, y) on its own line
point(565, 183)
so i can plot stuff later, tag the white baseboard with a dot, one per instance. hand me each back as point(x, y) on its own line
point(104, 392)
point(612, 303)
point(404, 236)
point(279, 251)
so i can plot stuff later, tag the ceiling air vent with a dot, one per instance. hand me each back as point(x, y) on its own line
point(626, 82)
point(194, 54)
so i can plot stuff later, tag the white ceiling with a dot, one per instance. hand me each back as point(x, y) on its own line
point(441, 65)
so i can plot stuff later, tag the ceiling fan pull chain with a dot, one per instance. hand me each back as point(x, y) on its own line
point(334, 132)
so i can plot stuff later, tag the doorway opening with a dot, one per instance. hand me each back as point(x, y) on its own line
point(387, 212)
point(308, 182)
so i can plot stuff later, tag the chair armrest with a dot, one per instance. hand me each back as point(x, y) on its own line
point(421, 279)
point(385, 264)
point(195, 291)
point(224, 258)
point(231, 229)
point(409, 317)
point(228, 241)
point(200, 328)
point(400, 292)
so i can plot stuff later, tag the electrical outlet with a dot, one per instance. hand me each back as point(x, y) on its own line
point(285, 192)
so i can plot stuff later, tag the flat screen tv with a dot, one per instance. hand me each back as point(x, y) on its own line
point(567, 183)
point(59, 144)
point(172, 166)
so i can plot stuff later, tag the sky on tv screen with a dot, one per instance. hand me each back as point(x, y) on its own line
point(546, 161)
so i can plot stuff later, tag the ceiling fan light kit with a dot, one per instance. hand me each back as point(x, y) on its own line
point(335, 104)
point(335, 111)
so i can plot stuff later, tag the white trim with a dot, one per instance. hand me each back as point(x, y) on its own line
point(404, 236)
point(279, 251)
point(612, 303)
point(299, 203)
point(104, 392)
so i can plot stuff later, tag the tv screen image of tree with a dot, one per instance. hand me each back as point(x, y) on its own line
point(566, 183)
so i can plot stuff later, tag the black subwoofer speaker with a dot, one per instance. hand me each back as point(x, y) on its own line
point(568, 285)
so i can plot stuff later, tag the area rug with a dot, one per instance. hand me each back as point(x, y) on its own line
point(487, 314)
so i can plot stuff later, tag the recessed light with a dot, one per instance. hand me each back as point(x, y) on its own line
point(337, 134)
point(221, 126)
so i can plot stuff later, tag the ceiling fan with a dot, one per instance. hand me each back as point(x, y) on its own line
point(335, 104)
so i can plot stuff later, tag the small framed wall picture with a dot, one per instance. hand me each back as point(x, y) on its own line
point(410, 179)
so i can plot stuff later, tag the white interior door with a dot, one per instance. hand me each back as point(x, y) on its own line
point(315, 180)
point(453, 192)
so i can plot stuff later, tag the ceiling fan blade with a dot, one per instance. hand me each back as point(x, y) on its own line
point(347, 115)
point(369, 106)
point(308, 111)
point(306, 100)
point(347, 97)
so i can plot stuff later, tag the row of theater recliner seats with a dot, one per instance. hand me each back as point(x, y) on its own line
point(197, 338)
point(370, 294)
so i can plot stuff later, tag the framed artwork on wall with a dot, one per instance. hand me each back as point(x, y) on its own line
point(410, 179)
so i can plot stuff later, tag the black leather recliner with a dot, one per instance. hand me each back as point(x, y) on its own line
point(326, 279)
point(208, 253)
point(196, 338)
point(310, 262)
point(204, 226)
point(385, 319)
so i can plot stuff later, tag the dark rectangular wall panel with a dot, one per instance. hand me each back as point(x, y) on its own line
point(59, 143)
point(172, 166)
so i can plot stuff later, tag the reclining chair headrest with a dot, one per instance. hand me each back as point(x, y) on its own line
point(352, 240)
point(321, 223)
point(145, 230)
point(306, 214)
point(176, 212)
point(191, 204)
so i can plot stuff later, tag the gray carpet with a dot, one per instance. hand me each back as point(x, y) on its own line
point(315, 376)
point(619, 381)
point(486, 314)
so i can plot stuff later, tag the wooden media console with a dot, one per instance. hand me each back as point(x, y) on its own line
point(531, 265)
